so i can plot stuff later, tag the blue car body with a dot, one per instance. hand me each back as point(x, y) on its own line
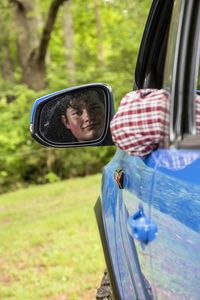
point(171, 198)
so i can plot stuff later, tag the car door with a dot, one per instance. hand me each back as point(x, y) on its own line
point(175, 198)
point(165, 184)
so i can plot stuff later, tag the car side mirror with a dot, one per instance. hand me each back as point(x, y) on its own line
point(74, 117)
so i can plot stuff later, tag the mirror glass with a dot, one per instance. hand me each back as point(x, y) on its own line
point(74, 117)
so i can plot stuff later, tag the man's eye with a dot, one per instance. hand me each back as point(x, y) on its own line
point(77, 113)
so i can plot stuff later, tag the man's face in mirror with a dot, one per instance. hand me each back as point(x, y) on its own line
point(85, 119)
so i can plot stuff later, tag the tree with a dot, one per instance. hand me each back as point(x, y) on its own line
point(69, 43)
point(32, 49)
point(99, 33)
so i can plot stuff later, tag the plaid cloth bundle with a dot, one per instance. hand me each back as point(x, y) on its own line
point(141, 123)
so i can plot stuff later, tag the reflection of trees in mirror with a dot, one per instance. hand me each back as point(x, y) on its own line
point(78, 116)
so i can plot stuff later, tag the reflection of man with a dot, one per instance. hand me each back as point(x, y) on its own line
point(84, 117)
point(78, 116)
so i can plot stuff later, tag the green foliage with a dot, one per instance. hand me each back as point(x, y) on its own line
point(117, 35)
point(51, 177)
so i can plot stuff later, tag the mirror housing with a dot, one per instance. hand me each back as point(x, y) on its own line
point(50, 117)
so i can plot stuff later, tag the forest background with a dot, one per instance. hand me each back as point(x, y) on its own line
point(51, 45)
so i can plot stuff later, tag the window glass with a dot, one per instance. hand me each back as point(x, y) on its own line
point(197, 95)
point(172, 42)
point(170, 70)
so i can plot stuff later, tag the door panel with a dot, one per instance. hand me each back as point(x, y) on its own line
point(121, 246)
point(170, 193)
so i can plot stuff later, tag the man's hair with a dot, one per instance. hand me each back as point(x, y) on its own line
point(52, 127)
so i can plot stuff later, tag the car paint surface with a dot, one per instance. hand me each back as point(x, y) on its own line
point(171, 198)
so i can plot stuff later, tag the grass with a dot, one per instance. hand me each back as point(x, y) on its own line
point(49, 242)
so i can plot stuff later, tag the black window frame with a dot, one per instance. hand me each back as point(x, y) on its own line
point(151, 57)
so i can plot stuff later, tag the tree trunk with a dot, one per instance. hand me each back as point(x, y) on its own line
point(69, 44)
point(34, 73)
point(32, 49)
point(6, 65)
point(99, 34)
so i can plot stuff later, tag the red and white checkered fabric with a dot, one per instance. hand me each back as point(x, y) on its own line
point(141, 123)
point(198, 114)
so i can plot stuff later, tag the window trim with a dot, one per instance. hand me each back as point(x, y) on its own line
point(177, 72)
point(182, 123)
point(151, 44)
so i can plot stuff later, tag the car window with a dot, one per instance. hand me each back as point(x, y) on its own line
point(191, 112)
point(197, 95)
point(181, 74)
point(151, 57)
point(172, 43)
point(171, 61)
